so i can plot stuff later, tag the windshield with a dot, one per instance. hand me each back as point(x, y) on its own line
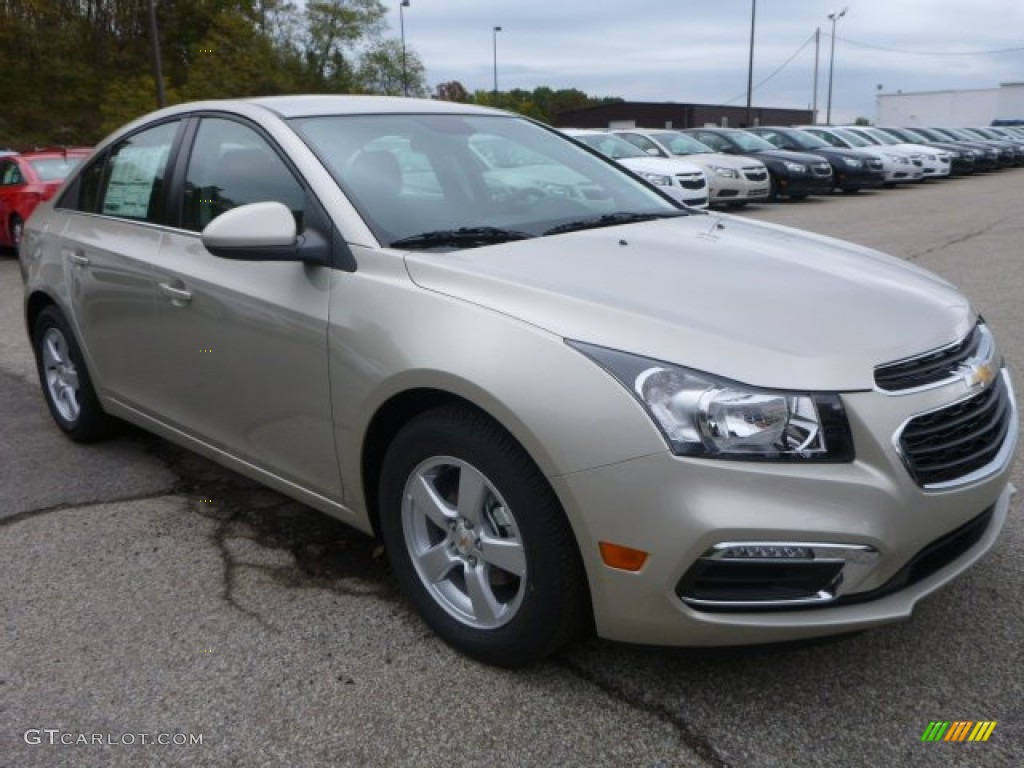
point(497, 177)
point(881, 136)
point(806, 140)
point(54, 168)
point(749, 142)
point(611, 146)
point(853, 139)
point(680, 144)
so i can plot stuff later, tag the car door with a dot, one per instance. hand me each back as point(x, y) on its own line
point(11, 182)
point(244, 343)
point(112, 234)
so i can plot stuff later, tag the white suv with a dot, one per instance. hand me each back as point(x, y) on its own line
point(681, 180)
point(734, 181)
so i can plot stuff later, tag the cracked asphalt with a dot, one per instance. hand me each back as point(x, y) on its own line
point(147, 591)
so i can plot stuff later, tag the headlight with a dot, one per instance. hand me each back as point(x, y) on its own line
point(795, 167)
point(657, 178)
point(725, 173)
point(704, 415)
point(851, 162)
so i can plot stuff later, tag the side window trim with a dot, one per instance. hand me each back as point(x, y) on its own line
point(188, 146)
point(71, 199)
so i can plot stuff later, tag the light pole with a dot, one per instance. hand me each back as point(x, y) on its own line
point(401, 20)
point(814, 93)
point(750, 66)
point(833, 17)
point(495, 32)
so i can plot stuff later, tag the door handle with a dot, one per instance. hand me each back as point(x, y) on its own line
point(178, 296)
point(78, 257)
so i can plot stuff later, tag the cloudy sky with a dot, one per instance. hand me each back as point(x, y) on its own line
point(697, 50)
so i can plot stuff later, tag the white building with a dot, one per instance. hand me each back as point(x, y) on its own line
point(951, 108)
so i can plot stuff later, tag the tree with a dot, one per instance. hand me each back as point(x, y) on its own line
point(332, 29)
point(381, 71)
point(453, 90)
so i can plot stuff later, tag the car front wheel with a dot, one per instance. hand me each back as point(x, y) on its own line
point(66, 384)
point(479, 541)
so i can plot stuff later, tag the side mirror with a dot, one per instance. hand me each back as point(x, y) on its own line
point(257, 225)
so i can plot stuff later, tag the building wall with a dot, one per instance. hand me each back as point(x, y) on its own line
point(1011, 101)
point(941, 108)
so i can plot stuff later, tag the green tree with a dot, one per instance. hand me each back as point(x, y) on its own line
point(381, 71)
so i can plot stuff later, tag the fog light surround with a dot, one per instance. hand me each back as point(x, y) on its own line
point(760, 575)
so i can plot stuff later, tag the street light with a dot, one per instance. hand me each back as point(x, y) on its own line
point(750, 66)
point(495, 33)
point(833, 17)
point(401, 19)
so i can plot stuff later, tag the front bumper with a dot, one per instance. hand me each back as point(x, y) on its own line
point(678, 510)
point(858, 178)
point(799, 186)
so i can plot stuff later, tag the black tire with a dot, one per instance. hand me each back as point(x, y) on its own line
point(513, 512)
point(851, 190)
point(773, 189)
point(65, 380)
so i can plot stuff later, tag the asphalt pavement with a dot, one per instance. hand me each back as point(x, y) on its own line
point(150, 596)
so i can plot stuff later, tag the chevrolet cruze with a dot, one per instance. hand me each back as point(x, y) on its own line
point(563, 401)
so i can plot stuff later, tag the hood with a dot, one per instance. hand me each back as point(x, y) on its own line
point(761, 304)
point(736, 163)
point(666, 165)
point(788, 155)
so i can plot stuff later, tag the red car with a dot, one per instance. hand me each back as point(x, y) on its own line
point(27, 180)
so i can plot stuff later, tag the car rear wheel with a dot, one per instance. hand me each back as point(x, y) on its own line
point(478, 540)
point(66, 384)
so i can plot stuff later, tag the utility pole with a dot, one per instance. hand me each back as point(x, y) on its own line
point(814, 97)
point(750, 66)
point(154, 40)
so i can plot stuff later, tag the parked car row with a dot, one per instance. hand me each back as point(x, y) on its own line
point(26, 179)
point(768, 162)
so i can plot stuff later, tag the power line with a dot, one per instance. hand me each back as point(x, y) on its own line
point(775, 72)
point(929, 53)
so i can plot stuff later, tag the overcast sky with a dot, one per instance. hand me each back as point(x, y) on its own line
point(697, 50)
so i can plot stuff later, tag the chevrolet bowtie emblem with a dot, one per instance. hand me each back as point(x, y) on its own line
point(978, 375)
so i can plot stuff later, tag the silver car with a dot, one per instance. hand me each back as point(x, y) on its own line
point(562, 401)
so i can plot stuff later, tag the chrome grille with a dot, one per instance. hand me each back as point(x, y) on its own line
point(822, 169)
point(758, 175)
point(931, 367)
point(952, 442)
point(691, 180)
point(875, 165)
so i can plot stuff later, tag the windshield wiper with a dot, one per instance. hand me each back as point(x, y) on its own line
point(610, 220)
point(464, 237)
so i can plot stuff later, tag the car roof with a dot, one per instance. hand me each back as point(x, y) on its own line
point(311, 105)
